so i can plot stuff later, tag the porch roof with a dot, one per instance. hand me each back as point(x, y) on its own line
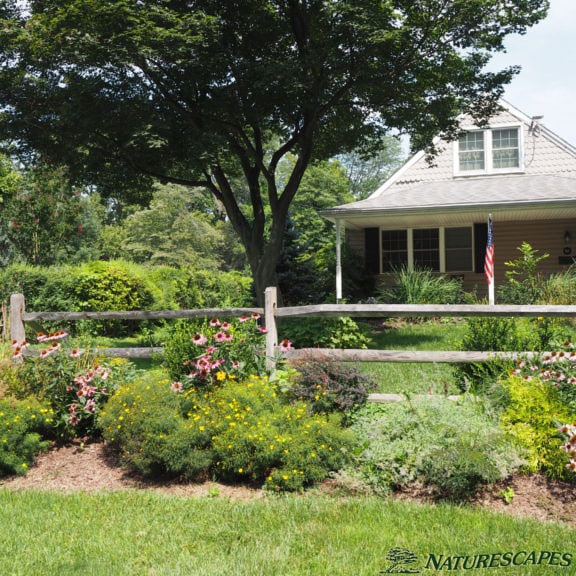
point(456, 201)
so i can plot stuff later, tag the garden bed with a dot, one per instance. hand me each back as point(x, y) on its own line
point(92, 468)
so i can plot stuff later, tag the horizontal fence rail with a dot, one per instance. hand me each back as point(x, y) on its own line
point(425, 310)
point(272, 313)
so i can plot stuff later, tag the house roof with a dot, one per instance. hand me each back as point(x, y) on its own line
point(417, 191)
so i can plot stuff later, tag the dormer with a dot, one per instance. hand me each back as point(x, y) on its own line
point(481, 152)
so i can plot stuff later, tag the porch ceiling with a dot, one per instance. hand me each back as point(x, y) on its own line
point(455, 217)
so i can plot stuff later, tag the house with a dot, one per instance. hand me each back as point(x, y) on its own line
point(435, 216)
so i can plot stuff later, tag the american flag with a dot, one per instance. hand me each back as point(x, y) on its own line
point(489, 259)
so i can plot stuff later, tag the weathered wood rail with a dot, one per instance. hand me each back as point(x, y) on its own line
point(273, 313)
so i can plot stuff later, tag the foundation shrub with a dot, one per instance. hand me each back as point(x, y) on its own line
point(22, 425)
point(237, 431)
point(421, 286)
point(452, 447)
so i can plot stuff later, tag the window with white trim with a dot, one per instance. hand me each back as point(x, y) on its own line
point(486, 151)
point(394, 249)
point(437, 249)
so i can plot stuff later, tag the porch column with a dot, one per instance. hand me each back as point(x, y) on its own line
point(338, 263)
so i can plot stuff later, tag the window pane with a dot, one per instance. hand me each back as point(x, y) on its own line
point(394, 240)
point(427, 259)
point(458, 237)
point(505, 138)
point(427, 248)
point(394, 260)
point(459, 260)
point(394, 249)
point(426, 238)
point(471, 151)
point(458, 244)
point(505, 148)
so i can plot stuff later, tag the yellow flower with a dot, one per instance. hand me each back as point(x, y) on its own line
point(220, 375)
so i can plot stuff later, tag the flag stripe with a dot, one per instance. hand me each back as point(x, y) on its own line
point(489, 259)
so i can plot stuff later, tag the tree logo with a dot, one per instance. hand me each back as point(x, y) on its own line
point(401, 558)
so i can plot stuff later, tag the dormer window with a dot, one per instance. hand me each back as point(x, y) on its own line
point(489, 151)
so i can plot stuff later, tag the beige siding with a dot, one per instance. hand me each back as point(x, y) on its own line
point(546, 236)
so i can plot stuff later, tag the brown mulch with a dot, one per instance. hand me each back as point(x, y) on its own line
point(92, 468)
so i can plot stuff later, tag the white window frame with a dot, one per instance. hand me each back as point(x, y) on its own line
point(441, 247)
point(488, 158)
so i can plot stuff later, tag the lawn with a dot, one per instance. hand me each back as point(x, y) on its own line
point(414, 378)
point(133, 533)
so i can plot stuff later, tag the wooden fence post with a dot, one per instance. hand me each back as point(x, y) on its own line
point(270, 304)
point(17, 309)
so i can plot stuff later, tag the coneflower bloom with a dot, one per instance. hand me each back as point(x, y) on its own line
point(199, 339)
point(285, 345)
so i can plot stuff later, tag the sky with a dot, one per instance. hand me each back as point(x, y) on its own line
point(546, 85)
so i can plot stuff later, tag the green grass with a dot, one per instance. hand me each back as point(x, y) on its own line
point(148, 534)
point(415, 378)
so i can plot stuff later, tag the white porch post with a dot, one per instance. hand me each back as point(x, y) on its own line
point(338, 263)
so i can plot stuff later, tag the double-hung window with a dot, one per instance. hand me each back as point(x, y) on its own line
point(488, 151)
point(437, 249)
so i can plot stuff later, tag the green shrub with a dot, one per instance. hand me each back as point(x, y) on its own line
point(147, 422)
point(502, 334)
point(203, 352)
point(110, 286)
point(329, 386)
point(73, 382)
point(240, 431)
point(421, 286)
point(341, 332)
point(21, 425)
point(451, 446)
point(533, 412)
point(524, 284)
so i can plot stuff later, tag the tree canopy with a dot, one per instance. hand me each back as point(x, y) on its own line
point(210, 93)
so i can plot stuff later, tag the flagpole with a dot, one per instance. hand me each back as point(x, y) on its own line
point(489, 262)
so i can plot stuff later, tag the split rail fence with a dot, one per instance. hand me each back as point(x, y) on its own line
point(273, 314)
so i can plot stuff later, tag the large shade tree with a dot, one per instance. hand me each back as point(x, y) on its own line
point(211, 93)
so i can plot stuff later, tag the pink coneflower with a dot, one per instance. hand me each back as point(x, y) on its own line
point(225, 326)
point(192, 374)
point(214, 322)
point(285, 345)
point(255, 316)
point(263, 329)
point(228, 337)
point(220, 337)
point(243, 318)
point(41, 337)
point(75, 353)
point(199, 339)
point(176, 387)
point(17, 352)
point(210, 350)
point(235, 364)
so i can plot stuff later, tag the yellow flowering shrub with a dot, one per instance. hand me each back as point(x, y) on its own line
point(240, 431)
point(21, 424)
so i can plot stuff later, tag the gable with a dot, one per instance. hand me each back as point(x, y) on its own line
point(543, 153)
point(541, 184)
